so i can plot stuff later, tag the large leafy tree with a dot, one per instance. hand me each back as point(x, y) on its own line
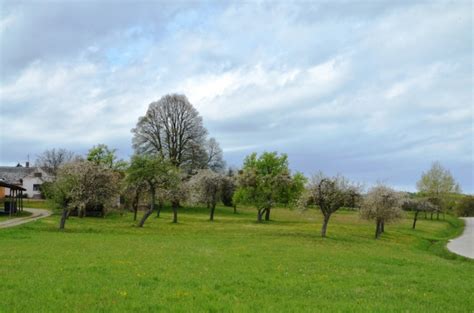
point(82, 184)
point(382, 204)
point(330, 194)
point(152, 171)
point(264, 181)
point(172, 129)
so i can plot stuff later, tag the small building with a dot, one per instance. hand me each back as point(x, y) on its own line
point(29, 178)
point(14, 203)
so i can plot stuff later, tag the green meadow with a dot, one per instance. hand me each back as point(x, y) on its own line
point(233, 265)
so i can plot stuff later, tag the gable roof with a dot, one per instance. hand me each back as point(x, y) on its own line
point(13, 174)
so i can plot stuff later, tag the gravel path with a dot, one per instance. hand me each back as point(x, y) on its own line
point(36, 214)
point(464, 244)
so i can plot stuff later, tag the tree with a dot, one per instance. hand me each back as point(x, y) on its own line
point(382, 205)
point(103, 156)
point(465, 207)
point(154, 172)
point(132, 193)
point(83, 184)
point(228, 188)
point(420, 205)
point(176, 192)
point(173, 130)
point(437, 183)
point(206, 187)
point(214, 154)
point(329, 194)
point(53, 159)
point(263, 182)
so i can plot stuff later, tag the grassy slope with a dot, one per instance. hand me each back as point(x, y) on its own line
point(232, 264)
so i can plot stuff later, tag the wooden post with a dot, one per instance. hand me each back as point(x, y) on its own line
point(16, 200)
point(21, 201)
point(10, 202)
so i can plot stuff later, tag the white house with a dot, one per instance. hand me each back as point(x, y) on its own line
point(30, 178)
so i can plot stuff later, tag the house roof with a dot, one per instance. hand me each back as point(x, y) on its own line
point(10, 186)
point(13, 174)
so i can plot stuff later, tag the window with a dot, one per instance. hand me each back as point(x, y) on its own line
point(36, 187)
point(38, 174)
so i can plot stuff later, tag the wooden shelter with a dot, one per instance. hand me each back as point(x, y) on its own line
point(14, 200)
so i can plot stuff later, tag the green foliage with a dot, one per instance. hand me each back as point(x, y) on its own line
point(465, 207)
point(150, 169)
point(266, 181)
point(102, 155)
point(159, 176)
point(228, 190)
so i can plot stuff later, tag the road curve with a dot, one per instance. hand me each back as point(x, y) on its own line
point(36, 214)
point(464, 244)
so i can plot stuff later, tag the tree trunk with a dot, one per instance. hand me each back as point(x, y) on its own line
point(160, 206)
point(260, 215)
point(325, 225)
point(432, 215)
point(415, 219)
point(135, 202)
point(426, 215)
point(175, 211)
point(377, 230)
point(213, 208)
point(135, 211)
point(235, 209)
point(62, 223)
point(382, 227)
point(150, 210)
point(145, 216)
point(267, 214)
point(437, 215)
point(81, 213)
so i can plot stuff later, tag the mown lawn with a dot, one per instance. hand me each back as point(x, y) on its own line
point(232, 265)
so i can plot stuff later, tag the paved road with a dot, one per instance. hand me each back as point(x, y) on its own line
point(464, 245)
point(36, 214)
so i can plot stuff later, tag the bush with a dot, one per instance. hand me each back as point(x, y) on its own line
point(465, 207)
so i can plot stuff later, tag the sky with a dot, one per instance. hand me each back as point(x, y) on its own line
point(373, 90)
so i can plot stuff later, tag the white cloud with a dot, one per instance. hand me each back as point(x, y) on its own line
point(385, 84)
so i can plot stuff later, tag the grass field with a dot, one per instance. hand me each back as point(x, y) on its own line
point(233, 265)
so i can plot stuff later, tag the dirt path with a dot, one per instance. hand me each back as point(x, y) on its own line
point(36, 214)
point(464, 244)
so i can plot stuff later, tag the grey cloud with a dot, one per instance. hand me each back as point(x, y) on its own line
point(400, 96)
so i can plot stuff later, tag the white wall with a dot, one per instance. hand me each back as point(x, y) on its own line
point(28, 183)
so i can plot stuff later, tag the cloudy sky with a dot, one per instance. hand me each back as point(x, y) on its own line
point(374, 90)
